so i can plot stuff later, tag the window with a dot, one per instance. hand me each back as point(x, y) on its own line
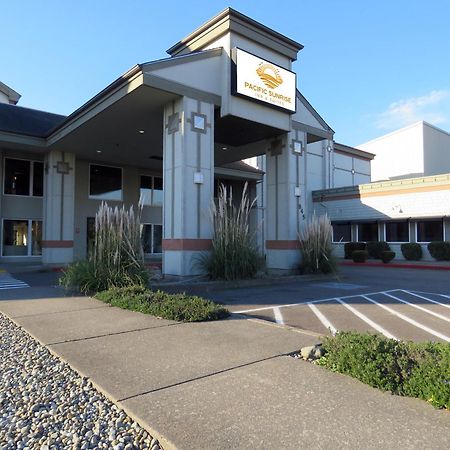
point(105, 183)
point(368, 232)
point(397, 232)
point(151, 192)
point(152, 238)
point(430, 230)
point(342, 232)
point(22, 238)
point(24, 177)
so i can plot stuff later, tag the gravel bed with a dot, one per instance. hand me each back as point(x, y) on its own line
point(44, 404)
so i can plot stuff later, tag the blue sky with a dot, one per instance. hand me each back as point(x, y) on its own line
point(368, 67)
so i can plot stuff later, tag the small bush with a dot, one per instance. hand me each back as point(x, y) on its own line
point(316, 248)
point(439, 250)
point(350, 247)
point(387, 256)
point(360, 256)
point(411, 251)
point(404, 368)
point(375, 248)
point(179, 307)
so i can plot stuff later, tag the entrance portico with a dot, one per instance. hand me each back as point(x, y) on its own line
point(227, 93)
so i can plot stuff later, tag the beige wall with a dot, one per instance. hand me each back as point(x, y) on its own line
point(86, 207)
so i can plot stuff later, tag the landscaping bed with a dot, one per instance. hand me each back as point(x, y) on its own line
point(410, 369)
point(179, 307)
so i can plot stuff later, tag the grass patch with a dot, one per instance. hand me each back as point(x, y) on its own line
point(179, 307)
point(410, 369)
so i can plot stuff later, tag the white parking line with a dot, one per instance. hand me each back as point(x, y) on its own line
point(325, 322)
point(278, 316)
point(429, 299)
point(408, 319)
point(435, 314)
point(370, 322)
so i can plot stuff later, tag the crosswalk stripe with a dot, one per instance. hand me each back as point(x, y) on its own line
point(408, 319)
point(325, 322)
point(429, 299)
point(9, 282)
point(363, 317)
point(435, 314)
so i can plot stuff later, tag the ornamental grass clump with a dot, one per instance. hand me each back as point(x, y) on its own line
point(234, 253)
point(316, 247)
point(117, 258)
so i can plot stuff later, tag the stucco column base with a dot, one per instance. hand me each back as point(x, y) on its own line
point(283, 256)
point(57, 256)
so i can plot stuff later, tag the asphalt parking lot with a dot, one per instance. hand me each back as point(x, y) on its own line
point(407, 304)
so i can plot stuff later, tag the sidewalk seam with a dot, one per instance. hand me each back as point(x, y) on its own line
point(60, 312)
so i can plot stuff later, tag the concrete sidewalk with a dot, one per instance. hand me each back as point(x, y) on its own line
point(226, 384)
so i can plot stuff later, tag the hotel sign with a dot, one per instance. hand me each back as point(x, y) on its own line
point(262, 81)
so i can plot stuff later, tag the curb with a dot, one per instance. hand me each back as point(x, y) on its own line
point(395, 265)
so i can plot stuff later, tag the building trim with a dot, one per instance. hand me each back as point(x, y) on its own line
point(279, 244)
point(57, 244)
point(241, 174)
point(325, 134)
point(13, 96)
point(354, 152)
point(314, 113)
point(186, 244)
point(232, 20)
point(21, 140)
point(174, 87)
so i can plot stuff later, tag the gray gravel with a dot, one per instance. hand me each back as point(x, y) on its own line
point(44, 404)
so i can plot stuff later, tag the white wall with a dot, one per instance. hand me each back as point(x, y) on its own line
point(436, 149)
point(398, 154)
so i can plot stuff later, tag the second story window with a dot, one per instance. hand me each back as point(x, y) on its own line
point(23, 177)
point(105, 182)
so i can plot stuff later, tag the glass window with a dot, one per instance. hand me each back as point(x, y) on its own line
point(368, 232)
point(152, 238)
point(157, 191)
point(151, 191)
point(342, 232)
point(17, 177)
point(430, 230)
point(105, 182)
point(22, 238)
point(36, 238)
point(38, 179)
point(15, 237)
point(397, 232)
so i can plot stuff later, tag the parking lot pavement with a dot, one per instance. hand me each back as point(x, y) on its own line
point(397, 314)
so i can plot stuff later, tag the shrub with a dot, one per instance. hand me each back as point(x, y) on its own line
point(180, 307)
point(405, 368)
point(117, 258)
point(387, 256)
point(375, 248)
point(439, 250)
point(411, 251)
point(360, 256)
point(234, 253)
point(350, 247)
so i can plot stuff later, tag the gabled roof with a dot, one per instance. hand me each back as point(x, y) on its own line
point(314, 113)
point(11, 93)
point(353, 151)
point(26, 121)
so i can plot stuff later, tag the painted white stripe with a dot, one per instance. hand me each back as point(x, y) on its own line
point(289, 305)
point(408, 319)
point(325, 322)
point(370, 322)
point(445, 305)
point(429, 293)
point(12, 287)
point(278, 316)
point(421, 308)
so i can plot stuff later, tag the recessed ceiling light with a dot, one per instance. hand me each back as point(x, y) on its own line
point(99, 151)
point(141, 131)
point(224, 148)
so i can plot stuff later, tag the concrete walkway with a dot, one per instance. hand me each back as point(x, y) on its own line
point(226, 384)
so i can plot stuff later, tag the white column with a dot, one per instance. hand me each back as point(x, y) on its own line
point(285, 200)
point(188, 184)
point(59, 205)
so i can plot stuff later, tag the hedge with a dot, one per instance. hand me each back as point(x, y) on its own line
point(375, 248)
point(387, 256)
point(440, 250)
point(360, 256)
point(350, 247)
point(411, 251)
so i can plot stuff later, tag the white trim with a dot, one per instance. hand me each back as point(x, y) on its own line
point(94, 197)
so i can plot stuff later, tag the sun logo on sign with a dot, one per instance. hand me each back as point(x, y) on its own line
point(269, 75)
